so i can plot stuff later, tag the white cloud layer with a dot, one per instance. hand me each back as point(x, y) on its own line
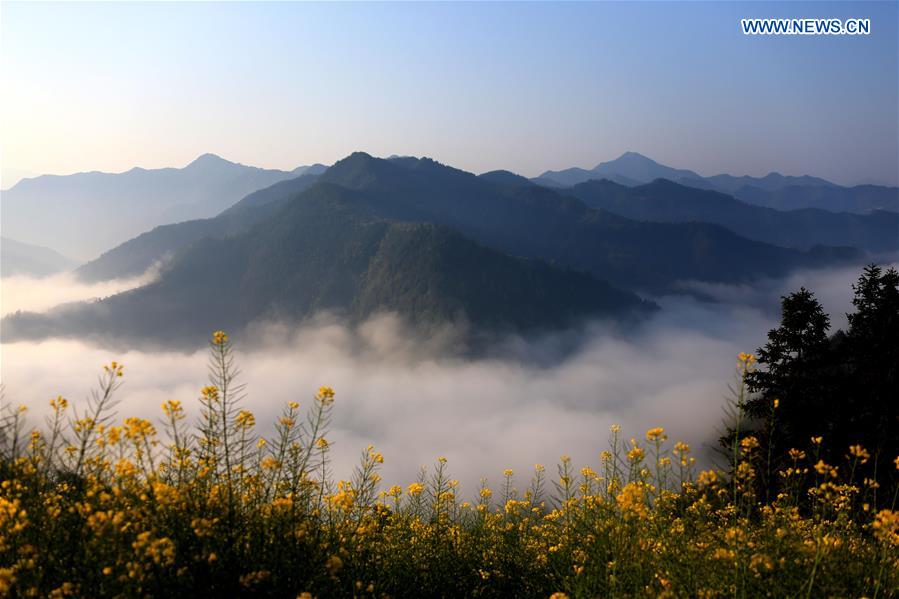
point(39, 294)
point(414, 401)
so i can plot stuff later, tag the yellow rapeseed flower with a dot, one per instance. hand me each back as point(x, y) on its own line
point(632, 500)
point(745, 361)
point(245, 419)
point(860, 453)
point(172, 409)
point(333, 565)
point(636, 452)
point(747, 444)
point(114, 368)
point(796, 454)
point(656, 434)
point(707, 478)
point(325, 395)
point(886, 526)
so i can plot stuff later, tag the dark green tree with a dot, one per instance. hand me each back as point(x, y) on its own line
point(843, 388)
point(871, 391)
point(793, 367)
point(789, 391)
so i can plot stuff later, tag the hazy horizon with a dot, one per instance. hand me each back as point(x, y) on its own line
point(89, 87)
point(22, 175)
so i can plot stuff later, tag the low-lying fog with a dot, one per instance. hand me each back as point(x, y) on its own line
point(415, 402)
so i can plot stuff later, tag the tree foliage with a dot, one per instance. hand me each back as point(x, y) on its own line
point(843, 387)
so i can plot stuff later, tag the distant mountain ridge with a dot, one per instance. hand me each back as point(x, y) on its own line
point(630, 166)
point(17, 258)
point(666, 201)
point(136, 255)
point(414, 236)
point(774, 190)
point(501, 211)
point(325, 249)
point(533, 221)
point(84, 214)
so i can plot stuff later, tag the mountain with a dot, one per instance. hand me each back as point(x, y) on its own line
point(326, 249)
point(83, 214)
point(520, 220)
point(666, 201)
point(770, 182)
point(135, 256)
point(536, 222)
point(774, 190)
point(505, 178)
point(17, 258)
point(414, 236)
point(629, 168)
point(861, 199)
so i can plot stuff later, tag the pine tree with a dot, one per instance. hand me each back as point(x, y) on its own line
point(798, 344)
point(871, 395)
point(794, 374)
point(843, 388)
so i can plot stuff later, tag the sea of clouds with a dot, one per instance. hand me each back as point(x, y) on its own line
point(526, 402)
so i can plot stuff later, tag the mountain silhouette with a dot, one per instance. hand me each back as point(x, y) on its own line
point(628, 168)
point(774, 190)
point(17, 258)
point(325, 250)
point(434, 244)
point(666, 201)
point(520, 220)
point(84, 214)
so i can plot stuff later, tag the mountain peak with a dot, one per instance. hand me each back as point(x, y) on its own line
point(630, 160)
point(207, 160)
point(357, 170)
point(635, 156)
point(354, 160)
point(505, 177)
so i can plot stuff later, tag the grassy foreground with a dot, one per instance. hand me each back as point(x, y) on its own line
point(90, 508)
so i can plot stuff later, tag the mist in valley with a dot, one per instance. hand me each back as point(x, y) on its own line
point(528, 401)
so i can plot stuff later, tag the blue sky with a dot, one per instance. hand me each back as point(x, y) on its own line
point(527, 87)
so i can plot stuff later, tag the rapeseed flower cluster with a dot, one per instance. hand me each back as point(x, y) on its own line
point(91, 508)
